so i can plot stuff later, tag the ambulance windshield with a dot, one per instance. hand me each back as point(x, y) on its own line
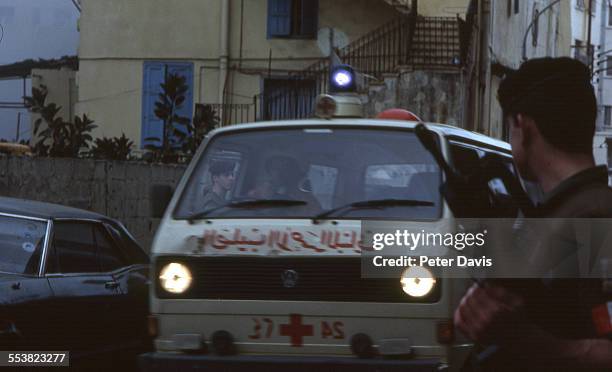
point(302, 173)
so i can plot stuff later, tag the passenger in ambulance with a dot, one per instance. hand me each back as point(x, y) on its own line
point(285, 179)
point(222, 175)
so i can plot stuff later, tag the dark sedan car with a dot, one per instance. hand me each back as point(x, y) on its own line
point(70, 280)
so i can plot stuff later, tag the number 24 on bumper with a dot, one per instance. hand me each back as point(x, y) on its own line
point(265, 328)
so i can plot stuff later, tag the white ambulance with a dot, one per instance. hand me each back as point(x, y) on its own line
point(257, 258)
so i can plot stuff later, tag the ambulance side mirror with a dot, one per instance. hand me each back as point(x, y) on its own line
point(160, 198)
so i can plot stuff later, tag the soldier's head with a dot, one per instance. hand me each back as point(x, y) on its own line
point(549, 106)
point(222, 174)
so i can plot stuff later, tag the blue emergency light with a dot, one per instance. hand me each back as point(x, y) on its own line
point(342, 79)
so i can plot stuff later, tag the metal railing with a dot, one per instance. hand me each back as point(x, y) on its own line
point(235, 113)
point(410, 41)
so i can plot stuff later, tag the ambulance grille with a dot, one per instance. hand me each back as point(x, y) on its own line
point(273, 278)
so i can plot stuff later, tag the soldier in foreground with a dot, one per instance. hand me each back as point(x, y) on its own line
point(550, 108)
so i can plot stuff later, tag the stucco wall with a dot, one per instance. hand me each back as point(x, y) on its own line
point(431, 95)
point(118, 189)
point(442, 8)
point(143, 29)
point(61, 90)
point(504, 44)
point(110, 92)
point(190, 29)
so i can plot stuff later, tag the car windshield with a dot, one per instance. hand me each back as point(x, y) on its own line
point(301, 173)
point(21, 242)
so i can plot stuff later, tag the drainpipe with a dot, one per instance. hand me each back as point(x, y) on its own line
point(478, 125)
point(589, 31)
point(223, 47)
point(600, 81)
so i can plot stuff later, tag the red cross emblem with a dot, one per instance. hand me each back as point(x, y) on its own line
point(296, 330)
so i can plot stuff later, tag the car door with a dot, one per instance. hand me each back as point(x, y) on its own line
point(121, 256)
point(83, 294)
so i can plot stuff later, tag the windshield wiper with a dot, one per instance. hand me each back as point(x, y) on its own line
point(255, 203)
point(373, 204)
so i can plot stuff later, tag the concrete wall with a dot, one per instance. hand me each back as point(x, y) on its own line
point(117, 36)
point(431, 95)
point(117, 189)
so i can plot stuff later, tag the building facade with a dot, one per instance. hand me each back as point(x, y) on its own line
point(231, 52)
point(603, 73)
point(513, 31)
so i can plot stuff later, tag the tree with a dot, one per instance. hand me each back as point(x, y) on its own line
point(204, 120)
point(116, 148)
point(59, 138)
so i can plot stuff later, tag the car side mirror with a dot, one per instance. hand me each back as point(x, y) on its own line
point(160, 198)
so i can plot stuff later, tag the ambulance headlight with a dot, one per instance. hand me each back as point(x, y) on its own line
point(342, 79)
point(417, 281)
point(175, 277)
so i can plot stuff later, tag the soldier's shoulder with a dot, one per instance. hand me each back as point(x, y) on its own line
point(594, 200)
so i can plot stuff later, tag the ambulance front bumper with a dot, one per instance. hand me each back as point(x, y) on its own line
point(163, 361)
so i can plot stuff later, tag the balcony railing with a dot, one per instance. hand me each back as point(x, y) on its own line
point(235, 113)
point(409, 41)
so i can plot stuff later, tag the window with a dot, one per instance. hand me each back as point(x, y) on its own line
point(401, 181)
point(610, 14)
point(322, 181)
point(583, 5)
point(535, 29)
point(323, 167)
point(607, 116)
point(109, 256)
point(609, 66)
point(509, 3)
point(155, 73)
point(609, 144)
point(581, 51)
point(128, 244)
point(73, 249)
point(293, 18)
point(577, 48)
point(516, 6)
point(465, 159)
point(21, 242)
point(288, 98)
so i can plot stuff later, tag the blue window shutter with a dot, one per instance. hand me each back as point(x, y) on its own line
point(310, 18)
point(186, 110)
point(152, 126)
point(279, 18)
